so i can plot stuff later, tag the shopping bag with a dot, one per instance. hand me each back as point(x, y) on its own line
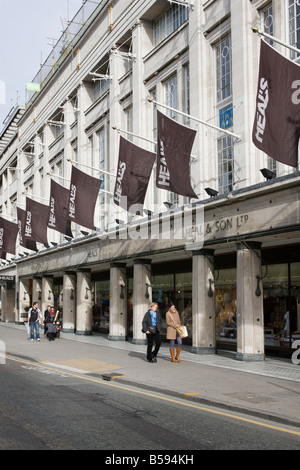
point(182, 331)
point(27, 327)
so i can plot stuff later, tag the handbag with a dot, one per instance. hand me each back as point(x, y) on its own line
point(182, 331)
point(152, 329)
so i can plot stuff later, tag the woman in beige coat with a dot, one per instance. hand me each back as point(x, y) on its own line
point(173, 322)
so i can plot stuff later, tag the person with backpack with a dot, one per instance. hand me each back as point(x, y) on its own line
point(34, 316)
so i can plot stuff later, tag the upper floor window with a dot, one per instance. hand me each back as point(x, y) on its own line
point(186, 71)
point(223, 69)
point(100, 87)
point(171, 95)
point(294, 25)
point(171, 20)
point(267, 21)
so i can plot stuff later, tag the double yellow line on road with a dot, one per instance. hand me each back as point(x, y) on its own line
point(167, 399)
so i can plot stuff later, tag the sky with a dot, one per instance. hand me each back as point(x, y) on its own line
point(26, 29)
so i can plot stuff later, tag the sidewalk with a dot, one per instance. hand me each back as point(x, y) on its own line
point(268, 389)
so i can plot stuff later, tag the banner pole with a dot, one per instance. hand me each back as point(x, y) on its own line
point(91, 167)
point(237, 137)
point(268, 36)
point(134, 135)
point(66, 179)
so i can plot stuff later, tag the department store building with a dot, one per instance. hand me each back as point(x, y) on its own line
point(233, 271)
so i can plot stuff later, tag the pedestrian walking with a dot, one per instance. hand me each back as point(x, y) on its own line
point(50, 323)
point(152, 325)
point(46, 313)
point(34, 318)
point(173, 322)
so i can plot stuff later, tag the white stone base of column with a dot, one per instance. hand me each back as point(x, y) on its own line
point(68, 330)
point(197, 350)
point(83, 332)
point(139, 341)
point(116, 338)
point(250, 357)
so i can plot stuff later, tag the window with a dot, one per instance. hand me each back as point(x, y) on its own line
point(186, 71)
point(224, 108)
point(223, 66)
point(167, 23)
point(129, 122)
point(225, 164)
point(171, 95)
point(101, 165)
point(294, 25)
point(267, 21)
point(100, 87)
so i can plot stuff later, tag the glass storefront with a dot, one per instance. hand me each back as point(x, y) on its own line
point(101, 306)
point(176, 288)
point(58, 296)
point(281, 296)
point(225, 306)
point(281, 301)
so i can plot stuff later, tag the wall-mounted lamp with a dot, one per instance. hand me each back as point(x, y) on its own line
point(72, 294)
point(39, 295)
point(211, 192)
point(268, 174)
point(62, 296)
point(120, 222)
point(24, 296)
point(86, 293)
point(147, 295)
point(122, 285)
point(210, 291)
point(258, 291)
point(49, 294)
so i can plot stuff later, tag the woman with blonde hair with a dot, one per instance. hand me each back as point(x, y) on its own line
point(152, 326)
point(173, 322)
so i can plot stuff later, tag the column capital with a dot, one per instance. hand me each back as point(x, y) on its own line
point(244, 245)
point(84, 270)
point(203, 252)
point(117, 265)
point(142, 261)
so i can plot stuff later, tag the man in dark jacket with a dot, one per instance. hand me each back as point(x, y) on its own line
point(152, 325)
point(34, 318)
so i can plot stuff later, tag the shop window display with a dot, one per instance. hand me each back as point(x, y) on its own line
point(177, 288)
point(101, 306)
point(276, 300)
point(225, 307)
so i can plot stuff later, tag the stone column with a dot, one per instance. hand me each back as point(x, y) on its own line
point(7, 303)
point(69, 302)
point(47, 293)
point(37, 290)
point(118, 302)
point(250, 324)
point(142, 297)
point(203, 302)
point(84, 303)
point(24, 300)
